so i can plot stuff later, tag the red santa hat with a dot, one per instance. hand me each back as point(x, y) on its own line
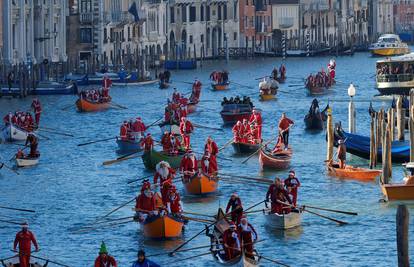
point(232, 225)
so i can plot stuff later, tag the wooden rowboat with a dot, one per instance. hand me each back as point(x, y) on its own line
point(201, 184)
point(398, 191)
point(277, 161)
point(220, 86)
point(164, 85)
point(84, 105)
point(12, 133)
point(245, 148)
point(128, 146)
point(216, 238)
point(27, 161)
point(163, 227)
point(14, 262)
point(351, 172)
point(284, 221)
point(231, 113)
point(152, 158)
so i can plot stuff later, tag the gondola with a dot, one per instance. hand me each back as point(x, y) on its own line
point(278, 161)
point(245, 148)
point(164, 85)
point(13, 133)
point(359, 145)
point(350, 172)
point(315, 119)
point(163, 227)
point(201, 184)
point(284, 221)
point(152, 158)
point(84, 105)
point(216, 241)
point(401, 191)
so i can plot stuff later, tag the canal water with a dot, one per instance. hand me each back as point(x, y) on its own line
point(70, 187)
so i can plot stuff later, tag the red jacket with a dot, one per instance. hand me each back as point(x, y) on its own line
point(188, 164)
point(293, 183)
point(147, 143)
point(109, 261)
point(211, 148)
point(170, 176)
point(25, 239)
point(174, 203)
point(186, 127)
point(256, 118)
point(166, 142)
point(36, 106)
point(284, 123)
point(138, 126)
point(145, 203)
point(106, 82)
point(123, 132)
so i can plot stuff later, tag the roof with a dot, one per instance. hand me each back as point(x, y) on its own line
point(403, 58)
point(284, 2)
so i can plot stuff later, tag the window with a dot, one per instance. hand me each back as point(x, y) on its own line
point(191, 39)
point(235, 7)
point(219, 12)
point(225, 12)
point(201, 13)
point(172, 15)
point(202, 38)
point(184, 13)
point(234, 36)
point(85, 6)
point(111, 34)
point(192, 13)
point(129, 33)
point(105, 36)
point(208, 13)
point(86, 35)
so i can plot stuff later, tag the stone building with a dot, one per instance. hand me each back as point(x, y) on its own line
point(381, 18)
point(285, 23)
point(404, 19)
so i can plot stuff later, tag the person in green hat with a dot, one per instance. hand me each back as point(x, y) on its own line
point(104, 259)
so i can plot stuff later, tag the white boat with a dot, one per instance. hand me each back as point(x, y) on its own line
point(142, 83)
point(284, 221)
point(389, 45)
point(395, 75)
point(172, 128)
point(12, 133)
point(27, 162)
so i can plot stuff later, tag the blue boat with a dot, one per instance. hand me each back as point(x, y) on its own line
point(128, 146)
point(44, 88)
point(359, 145)
point(79, 79)
point(97, 77)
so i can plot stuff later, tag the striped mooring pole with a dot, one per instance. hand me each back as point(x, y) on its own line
point(284, 45)
point(307, 43)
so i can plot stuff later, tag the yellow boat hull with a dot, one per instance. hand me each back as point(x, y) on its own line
point(267, 97)
point(390, 51)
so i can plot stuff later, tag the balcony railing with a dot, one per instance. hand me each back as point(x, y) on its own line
point(383, 78)
point(85, 18)
point(286, 22)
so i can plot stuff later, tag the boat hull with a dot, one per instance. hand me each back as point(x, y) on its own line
point(135, 83)
point(163, 227)
point(232, 118)
point(191, 108)
point(27, 162)
point(171, 128)
point(128, 146)
point(243, 148)
point(267, 97)
point(284, 221)
point(201, 184)
point(279, 162)
point(152, 158)
point(12, 133)
point(315, 122)
point(86, 106)
point(398, 191)
point(390, 51)
point(220, 87)
point(355, 173)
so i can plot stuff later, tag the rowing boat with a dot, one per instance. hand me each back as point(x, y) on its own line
point(191, 107)
point(284, 221)
point(220, 86)
point(217, 247)
point(201, 184)
point(27, 161)
point(315, 119)
point(84, 105)
point(163, 227)
point(231, 113)
point(152, 158)
point(244, 148)
point(278, 161)
point(351, 172)
point(14, 262)
point(267, 97)
point(12, 133)
point(398, 191)
point(171, 128)
point(128, 146)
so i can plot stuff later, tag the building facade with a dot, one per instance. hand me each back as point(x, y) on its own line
point(34, 30)
point(381, 18)
point(286, 23)
point(404, 19)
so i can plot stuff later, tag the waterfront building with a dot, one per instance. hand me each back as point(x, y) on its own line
point(404, 19)
point(286, 23)
point(381, 18)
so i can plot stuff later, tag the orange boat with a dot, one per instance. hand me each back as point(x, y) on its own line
point(201, 184)
point(220, 86)
point(84, 105)
point(191, 107)
point(163, 227)
point(351, 172)
point(398, 191)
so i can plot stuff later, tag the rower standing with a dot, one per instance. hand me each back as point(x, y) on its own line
point(145, 202)
point(24, 239)
point(256, 118)
point(147, 143)
point(165, 174)
point(248, 236)
point(186, 128)
point(284, 124)
point(292, 183)
point(231, 242)
point(33, 141)
point(104, 259)
point(37, 108)
point(277, 196)
point(210, 154)
point(189, 166)
point(341, 153)
point(143, 262)
point(236, 207)
point(174, 204)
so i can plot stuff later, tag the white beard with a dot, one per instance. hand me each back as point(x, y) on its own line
point(245, 227)
point(163, 172)
point(206, 163)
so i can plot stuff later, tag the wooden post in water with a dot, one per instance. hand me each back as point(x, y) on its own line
point(403, 223)
point(411, 125)
point(386, 157)
point(400, 119)
point(392, 123)
point(372, 147)
point(330, 135)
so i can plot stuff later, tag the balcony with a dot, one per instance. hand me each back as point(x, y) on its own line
point(153, 1)
point(153, 36)
point(286, 22)
point(85, 18)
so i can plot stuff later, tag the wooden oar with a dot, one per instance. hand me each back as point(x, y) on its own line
point(189, 258)
point(326, 217)
point(331, 210)
point(109, 222)
point(17, 209)
point(247, 86)
point(58, 133)
point(223, 158)
point(140, 179)
point(295, 85)
point(9, 168)
point(96, 141)
point(260, 147)
point(207, 127)
point(112, 211)
point(109, 162)
point(43, 136)
point(226, 144)
point(273, 261)
point(5, 259)
point(11, 222)
point(247, 177)
point(259, 180)
point(198, 219)
point(182, 250)
point(262, 77)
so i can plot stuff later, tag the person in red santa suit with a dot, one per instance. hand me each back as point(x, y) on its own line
point(235, 206)
point(279, 145)
point(254, 134)
point(147, 143)
point(196, 91)
point(168, 114)
point(245, 131)
point(256, 118)
point(24, 239)
point(248, 236)
point(231, 242)
point(292, 183)
point(106, 82)
point(163, 173)
point(189, 166)
point(37, 108)
point(145, 202)
point(104, 259)
point(277, 196)
point(166, 142)
point(237, 138)
point(29, 122)
point(210, 152)
point(175, 144)
point(182, 112)
point(8, 118)
point(123, 131)
point(176, 96)
point(186, 128)
point(174, 204)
